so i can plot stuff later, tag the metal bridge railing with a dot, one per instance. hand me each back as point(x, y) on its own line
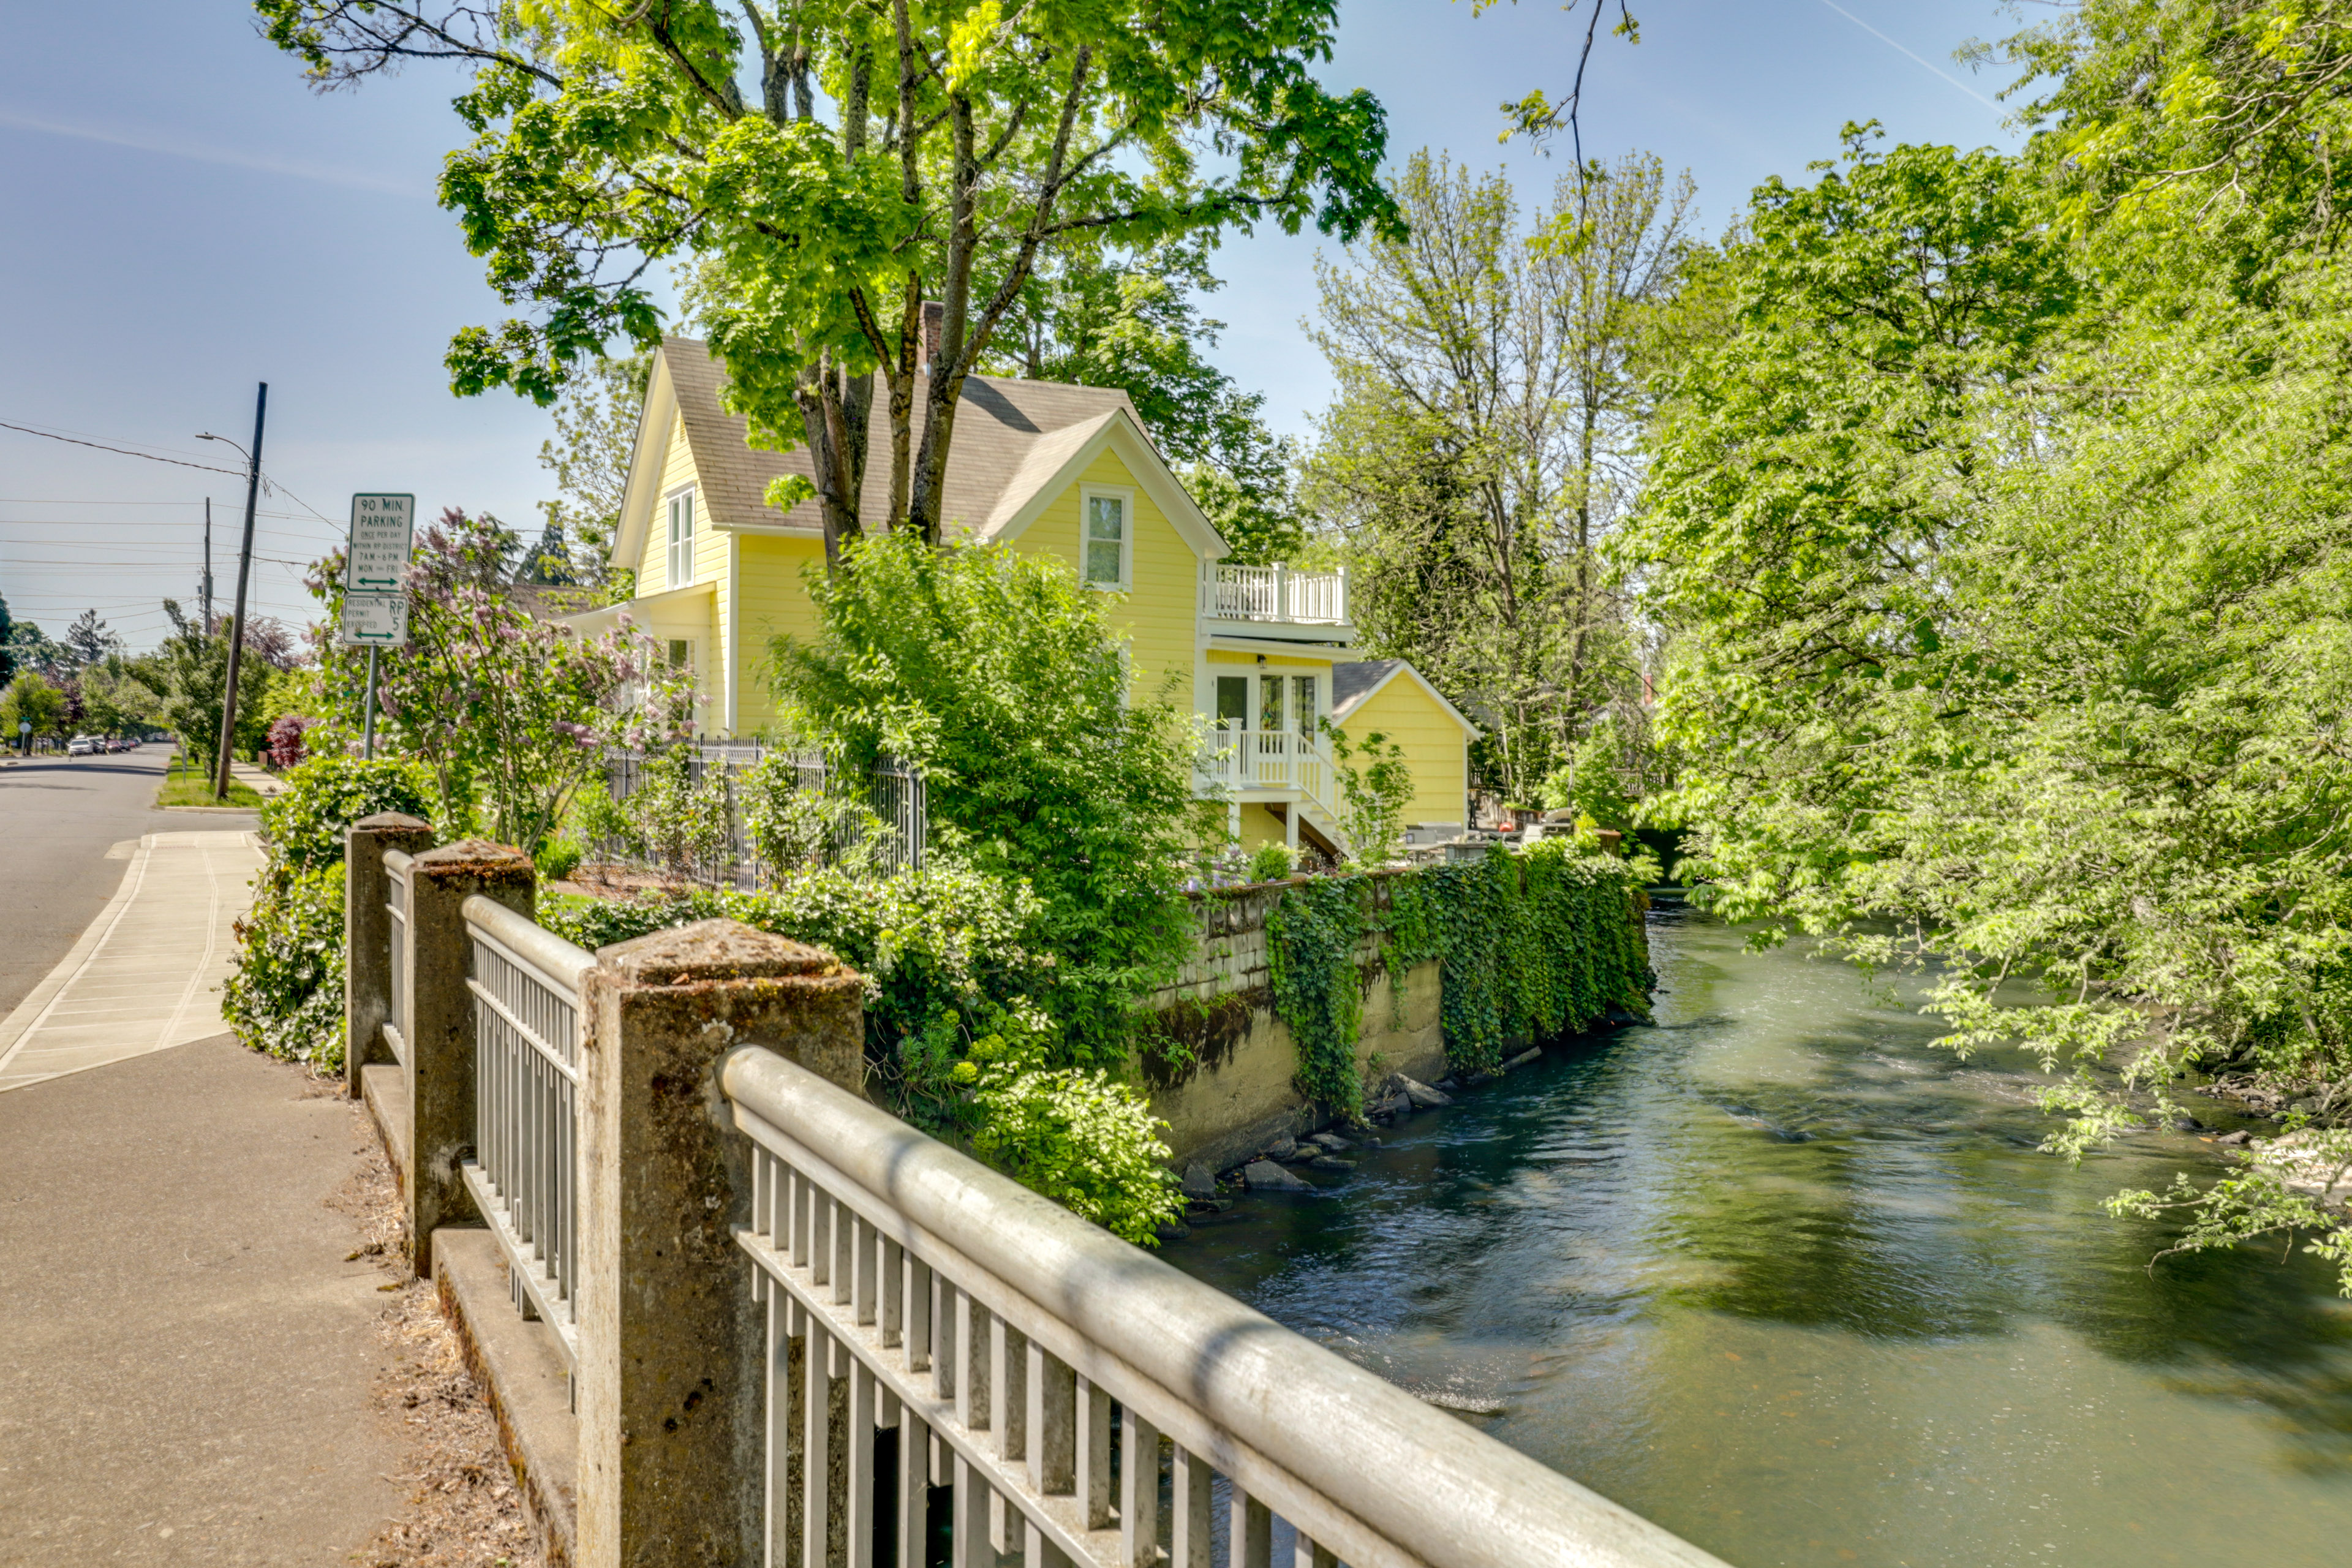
point(397, 1011)
point(524, 1176)
point(1034, 1364)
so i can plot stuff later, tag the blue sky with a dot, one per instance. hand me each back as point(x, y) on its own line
point(181, 218)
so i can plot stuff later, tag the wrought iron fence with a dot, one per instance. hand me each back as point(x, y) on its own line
point(722, 851)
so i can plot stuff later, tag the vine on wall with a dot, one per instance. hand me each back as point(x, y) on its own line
point(1311, 940)
point(1532, 944)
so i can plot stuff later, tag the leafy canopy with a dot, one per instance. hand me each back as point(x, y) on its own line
point(827, 167)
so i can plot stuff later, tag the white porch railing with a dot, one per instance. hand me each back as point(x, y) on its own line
point(524, 1173)
point(1246, 760)
point(1274, 593)
point(1014, 1347)
point(396, 905)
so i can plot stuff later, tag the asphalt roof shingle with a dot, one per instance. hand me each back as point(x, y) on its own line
point(1011, 436)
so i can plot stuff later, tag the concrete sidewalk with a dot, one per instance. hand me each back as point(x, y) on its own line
point(266, 785)
point(191, 1347)
point(147, 973)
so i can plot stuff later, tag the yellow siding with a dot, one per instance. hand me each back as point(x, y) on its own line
point(653, 561)
point(1160, 613)
point(1435, 747)
point(772, 601)
point(1259, 826)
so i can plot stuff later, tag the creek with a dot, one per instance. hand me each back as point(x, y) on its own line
point(1780, 1275)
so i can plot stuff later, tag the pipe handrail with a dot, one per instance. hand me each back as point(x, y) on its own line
point(559, 964)
point(1404, 1483)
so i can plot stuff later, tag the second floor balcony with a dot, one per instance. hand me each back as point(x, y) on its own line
point(1276, 600)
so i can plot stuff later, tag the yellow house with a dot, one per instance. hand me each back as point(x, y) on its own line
point(1261, 654)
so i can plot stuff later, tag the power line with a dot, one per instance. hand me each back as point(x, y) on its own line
point(124, 451)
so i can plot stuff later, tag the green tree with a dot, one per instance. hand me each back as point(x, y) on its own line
point(30, 648)
point(1134, 323)
point(595, 442)
point(30, 696)
point(88, 641)
point(997, 677)
point(2005, 556)
point(187, 676)
point(935, 150)
point(1480, 448)
point(115, 700)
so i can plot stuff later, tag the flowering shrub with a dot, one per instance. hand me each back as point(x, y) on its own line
point(284, 746)
point(502, 706)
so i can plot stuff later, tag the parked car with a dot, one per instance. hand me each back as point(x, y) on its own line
point(83, 745)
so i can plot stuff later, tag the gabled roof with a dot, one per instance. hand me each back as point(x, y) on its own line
point(1017, 443)
point(1353, 685)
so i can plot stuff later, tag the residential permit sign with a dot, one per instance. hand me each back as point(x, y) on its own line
point(375, 611)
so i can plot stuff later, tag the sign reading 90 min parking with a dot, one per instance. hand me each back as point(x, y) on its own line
point(383, 527)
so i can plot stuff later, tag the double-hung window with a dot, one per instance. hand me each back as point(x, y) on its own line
point(1108, 544)
point(681, 540)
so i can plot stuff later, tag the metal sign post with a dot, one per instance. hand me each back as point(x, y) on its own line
point(375, 611)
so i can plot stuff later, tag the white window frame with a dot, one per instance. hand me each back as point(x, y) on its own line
point(678, 563)
point(1124, 496)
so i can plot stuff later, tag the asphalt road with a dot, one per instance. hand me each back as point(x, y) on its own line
point(59, 817)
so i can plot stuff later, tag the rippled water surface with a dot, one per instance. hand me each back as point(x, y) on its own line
point(1782, 1277)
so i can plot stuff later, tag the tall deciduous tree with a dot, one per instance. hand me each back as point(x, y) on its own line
point(595, 441)
point(830, 165)
point(1480, 448)
point(1102, 319)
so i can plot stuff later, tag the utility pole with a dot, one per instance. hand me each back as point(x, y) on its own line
point(204, 589)
point(244, 572)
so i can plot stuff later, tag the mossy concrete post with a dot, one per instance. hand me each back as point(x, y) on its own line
point(671, 1341)
point(367, 935)
point(440, 1035)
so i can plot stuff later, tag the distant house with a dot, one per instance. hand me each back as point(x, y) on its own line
point(1262, 654)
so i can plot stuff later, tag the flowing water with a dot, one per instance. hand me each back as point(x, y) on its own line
point(1782, 1277)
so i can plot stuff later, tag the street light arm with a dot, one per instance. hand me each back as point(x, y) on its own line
point(204, 435)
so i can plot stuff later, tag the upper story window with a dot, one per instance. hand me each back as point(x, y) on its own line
point(1110, 541)
point(681, 541)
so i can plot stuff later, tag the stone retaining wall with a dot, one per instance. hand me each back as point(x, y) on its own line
point(1237, 1095)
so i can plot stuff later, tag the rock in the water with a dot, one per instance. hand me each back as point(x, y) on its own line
point(1421, 1095)
point(1330, 1163)
point(2180, 1124)
point(1199, 1182)
point(1522, 1059)
point(1331, 1142)
point(1282, 1148)
point(1175, 1230)
point(1265, 1176)
point(2239, 1136)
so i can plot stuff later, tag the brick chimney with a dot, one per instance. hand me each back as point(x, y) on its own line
point(935, 326)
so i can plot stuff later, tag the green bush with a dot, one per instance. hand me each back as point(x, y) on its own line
point(1271, 862)
point(947, 953)
point(956, 1031)
point(285, 993)
point(999, 678)
point(1089, 1143)
point(303, 826)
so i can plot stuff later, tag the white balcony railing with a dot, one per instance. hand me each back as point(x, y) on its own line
point(1246, 760)
point(1275, 593)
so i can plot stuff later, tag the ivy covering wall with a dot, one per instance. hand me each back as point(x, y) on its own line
point(1532, 943)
